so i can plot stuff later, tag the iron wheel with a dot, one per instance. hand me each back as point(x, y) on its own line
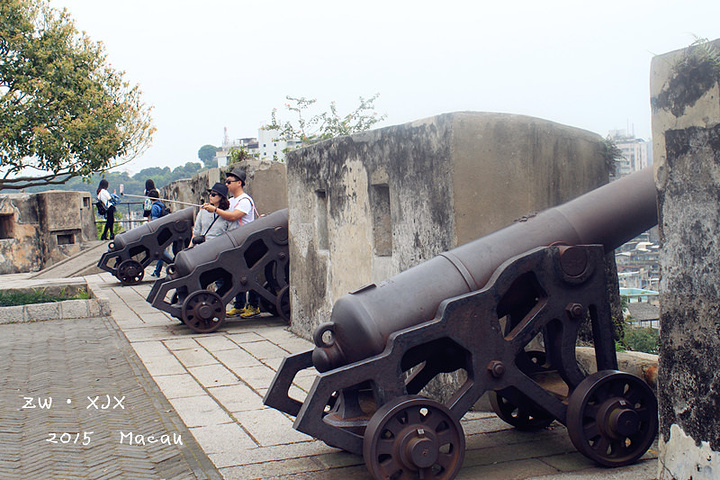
point(612, 418)
point(203, 311)
point(282, 303)
point(130, 272)
point(413, 437)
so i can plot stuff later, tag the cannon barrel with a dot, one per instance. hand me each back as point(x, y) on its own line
point(187, 260)
point(183, 217)
point(362, 321)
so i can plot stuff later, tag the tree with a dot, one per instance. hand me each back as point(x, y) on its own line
point(324, 125)
point(207, 155)
point(64, 112)
point(241, 154)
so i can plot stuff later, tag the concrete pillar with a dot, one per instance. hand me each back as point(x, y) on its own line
point(686, 141)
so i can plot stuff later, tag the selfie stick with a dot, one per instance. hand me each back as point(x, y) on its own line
point(123, 194)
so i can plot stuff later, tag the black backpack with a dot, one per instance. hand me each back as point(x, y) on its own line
point(102, 211)
point(164, 209)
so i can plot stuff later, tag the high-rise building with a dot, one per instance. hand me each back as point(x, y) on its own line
point(636, 152)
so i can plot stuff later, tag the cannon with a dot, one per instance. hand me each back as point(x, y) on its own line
point(205, 278)
point(502, 314)
point(131, 251)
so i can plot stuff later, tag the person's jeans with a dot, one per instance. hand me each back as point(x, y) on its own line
point(166, 258)
point(253, 299)
point(109, 224)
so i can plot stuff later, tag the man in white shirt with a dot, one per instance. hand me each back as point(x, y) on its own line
point(240, 212)
point(242, 207)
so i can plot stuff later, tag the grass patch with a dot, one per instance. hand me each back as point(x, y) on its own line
point(10, 298)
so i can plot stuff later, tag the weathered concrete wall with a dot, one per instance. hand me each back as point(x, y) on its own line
point(686, 144)
point(266, 183)
point(44, 228)
point(368, 206)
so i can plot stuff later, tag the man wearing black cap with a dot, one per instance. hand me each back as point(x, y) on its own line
point(241, 211)
point(242, 207)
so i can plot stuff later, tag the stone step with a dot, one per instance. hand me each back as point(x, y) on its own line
point(83, 263)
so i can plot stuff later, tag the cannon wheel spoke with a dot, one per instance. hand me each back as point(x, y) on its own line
point(524, 416)
point(612, 418)
point(413, 437)
point(203, 311)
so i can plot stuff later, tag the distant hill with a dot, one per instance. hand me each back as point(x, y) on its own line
point(134, 185)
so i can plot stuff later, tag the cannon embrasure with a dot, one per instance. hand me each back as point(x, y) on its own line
point(131, 251)
point(205, 278)
point(503, 311)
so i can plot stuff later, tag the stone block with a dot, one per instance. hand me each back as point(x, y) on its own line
point(12, 314)
point(369, 206)
point(75, 308)
point(41, 311)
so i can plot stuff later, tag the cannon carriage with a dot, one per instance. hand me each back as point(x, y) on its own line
point(131, 251)
point(503, 314)
point(205, 278)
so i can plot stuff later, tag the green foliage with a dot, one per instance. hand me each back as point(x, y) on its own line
point(240, 154)
point(25, 297)
point(611, 154)
point(134, 185)
point(64, 112)
point(207, 154)
point(706, 52)
point(641, 339)
point(308, 129)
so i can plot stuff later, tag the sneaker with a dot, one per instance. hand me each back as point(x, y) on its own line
point(250, 311)
point(234, 312)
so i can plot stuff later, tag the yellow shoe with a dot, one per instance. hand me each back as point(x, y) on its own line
point(234, 312)
point(250, 311)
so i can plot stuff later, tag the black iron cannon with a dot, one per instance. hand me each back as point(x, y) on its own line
point(501, 312)
point(131, 251)
point(205, 278)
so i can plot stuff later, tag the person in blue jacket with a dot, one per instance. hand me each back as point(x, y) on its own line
point(156, 212)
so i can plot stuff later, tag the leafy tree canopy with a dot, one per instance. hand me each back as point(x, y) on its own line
point(207, 154)
point(311, 128)
point(134, 185)
point(64, 112)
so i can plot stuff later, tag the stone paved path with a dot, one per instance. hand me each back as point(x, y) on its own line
point(209, 389)
point(76, 402)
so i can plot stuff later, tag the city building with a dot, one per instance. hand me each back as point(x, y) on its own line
point(266, 146)
point(637, 262)
point(636, 152)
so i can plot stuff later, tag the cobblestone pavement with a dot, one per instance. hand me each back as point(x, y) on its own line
point(76, 402)
point(215, 384)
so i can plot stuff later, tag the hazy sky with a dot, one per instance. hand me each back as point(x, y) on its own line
point(206, 65)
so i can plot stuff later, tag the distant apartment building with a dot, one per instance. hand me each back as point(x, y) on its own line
point(636, 152)
point(266, 146)
point(637, 262)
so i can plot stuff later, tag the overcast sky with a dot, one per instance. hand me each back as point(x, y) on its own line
point(207, 65)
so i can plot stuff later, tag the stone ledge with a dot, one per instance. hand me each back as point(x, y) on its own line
point(95, 306)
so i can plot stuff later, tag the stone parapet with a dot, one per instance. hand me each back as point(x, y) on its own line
point(368, 206)
point(685, 93)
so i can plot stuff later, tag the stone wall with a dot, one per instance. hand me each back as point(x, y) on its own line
point(368, 206)
point(37, 230)
point(266, 184)
point(686, 145)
